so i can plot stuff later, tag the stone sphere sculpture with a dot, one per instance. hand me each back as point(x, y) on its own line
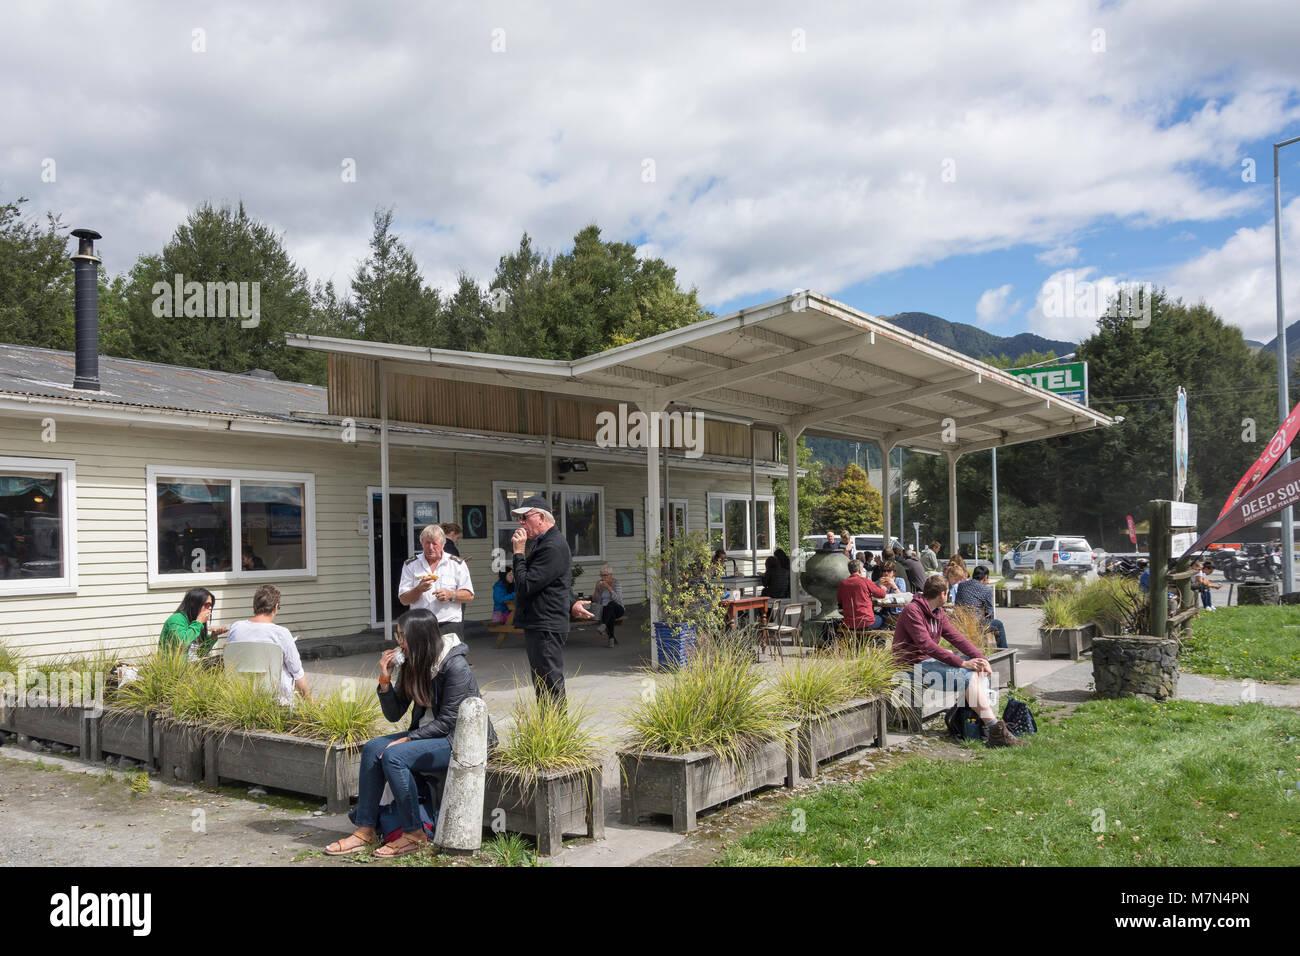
point(823, 571)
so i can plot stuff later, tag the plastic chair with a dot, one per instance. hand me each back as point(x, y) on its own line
point(262, 659)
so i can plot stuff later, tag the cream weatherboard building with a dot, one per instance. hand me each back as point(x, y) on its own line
point(120, 490)
point(114, 502)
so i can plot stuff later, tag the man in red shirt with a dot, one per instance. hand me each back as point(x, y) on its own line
point(916, 648)
point(854, 597)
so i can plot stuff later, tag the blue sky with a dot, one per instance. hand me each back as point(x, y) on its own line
point(963, 158)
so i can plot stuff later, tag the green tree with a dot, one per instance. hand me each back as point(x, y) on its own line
point(35, 280)
point(465, 319)
point(853, 503)
point(594, 297)
point(811, 495)
point(223, 245)
point(390, 302)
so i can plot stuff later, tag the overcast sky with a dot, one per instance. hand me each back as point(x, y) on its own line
point(954, 158)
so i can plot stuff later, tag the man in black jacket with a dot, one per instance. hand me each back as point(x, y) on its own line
point(543, 600)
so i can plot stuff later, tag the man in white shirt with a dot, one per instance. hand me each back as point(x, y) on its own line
point(437, 580)
point(261, 628)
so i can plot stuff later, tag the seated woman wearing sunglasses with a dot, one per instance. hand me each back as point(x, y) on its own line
point(188, 628)
point(431, 679)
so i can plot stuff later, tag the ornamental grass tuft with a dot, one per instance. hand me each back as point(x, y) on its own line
point(548, 734)
point(871, 668)
point(717, 703)
point(810, 687)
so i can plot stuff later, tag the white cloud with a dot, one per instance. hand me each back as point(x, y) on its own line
point(1238, 279)
point(992, 305)
point(1069, 303)
point(1059, 256)
point(773, 169)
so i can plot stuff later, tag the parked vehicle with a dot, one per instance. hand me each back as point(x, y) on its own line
point(1068, 554)
point(861, 542)
point(1125, 565)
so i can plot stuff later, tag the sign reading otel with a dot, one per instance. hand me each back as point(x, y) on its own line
point(1069, 380)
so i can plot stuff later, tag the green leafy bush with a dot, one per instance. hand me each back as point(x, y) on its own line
point(681, 580)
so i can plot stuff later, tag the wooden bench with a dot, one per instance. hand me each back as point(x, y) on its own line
point(908, 710)
point(502, 631)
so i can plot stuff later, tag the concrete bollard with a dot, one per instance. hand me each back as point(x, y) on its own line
point(460, 815)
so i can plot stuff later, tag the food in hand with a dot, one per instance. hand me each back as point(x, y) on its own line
point(427, 577)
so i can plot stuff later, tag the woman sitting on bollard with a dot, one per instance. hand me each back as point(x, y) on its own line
point(431, 679)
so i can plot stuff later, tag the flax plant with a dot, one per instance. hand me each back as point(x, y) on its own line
point(548, 735)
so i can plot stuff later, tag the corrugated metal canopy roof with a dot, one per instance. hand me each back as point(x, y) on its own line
point(804, 361)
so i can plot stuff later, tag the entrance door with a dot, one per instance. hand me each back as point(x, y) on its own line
point(412, 510)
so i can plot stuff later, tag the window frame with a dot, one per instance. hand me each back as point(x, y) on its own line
point(499, 486)
point(236, 476)
point(750, 515)
point(66, 469)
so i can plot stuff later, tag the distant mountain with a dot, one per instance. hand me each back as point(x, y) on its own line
point(974, 341)
point(1292, 341)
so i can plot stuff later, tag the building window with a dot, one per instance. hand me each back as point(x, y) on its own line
point(730, 526)
point(37, 530)
point(230, 525)
point(579, 513)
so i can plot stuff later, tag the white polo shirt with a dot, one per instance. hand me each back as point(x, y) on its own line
point(453, 575)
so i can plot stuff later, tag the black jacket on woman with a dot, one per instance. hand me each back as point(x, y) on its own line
point(451, 685)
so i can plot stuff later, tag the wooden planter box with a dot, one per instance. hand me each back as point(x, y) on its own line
point(849, 727)
point(1027, 597)
point(283, 762)
point(126, 733)
point(548, 806)
point(685, 785)
point(64, 725)
point(179, 751)
point(1066, 641)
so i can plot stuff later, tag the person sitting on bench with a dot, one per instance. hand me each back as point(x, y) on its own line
point(854, 596)
point(608, 596)
point(916, 648)
point(502, 592)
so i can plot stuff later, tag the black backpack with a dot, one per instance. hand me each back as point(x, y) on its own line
point(964, 724)
point(1018, 718)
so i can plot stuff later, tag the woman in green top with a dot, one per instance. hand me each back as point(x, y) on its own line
point(188, 627)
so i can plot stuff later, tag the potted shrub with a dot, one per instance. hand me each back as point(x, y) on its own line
point(129, 726)
point(1039, 584)
point(545, 781)
point(313, 748)
point(704, 734)
point(60, 701)
point(838, 702)
point(1062, 630)
point(678, 579)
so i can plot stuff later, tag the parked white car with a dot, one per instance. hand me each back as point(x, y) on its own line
point(1068, 554)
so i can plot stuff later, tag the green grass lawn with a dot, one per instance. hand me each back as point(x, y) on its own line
point(1117, 783)
point(1245, 642)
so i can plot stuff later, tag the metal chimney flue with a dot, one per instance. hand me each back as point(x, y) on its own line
point(86, 266)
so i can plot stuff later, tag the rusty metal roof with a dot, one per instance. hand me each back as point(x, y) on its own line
point(49, 373)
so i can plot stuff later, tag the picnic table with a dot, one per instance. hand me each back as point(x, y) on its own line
point(734, 606)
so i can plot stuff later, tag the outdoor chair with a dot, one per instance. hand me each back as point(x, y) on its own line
point(257, 658)
point(789, 621)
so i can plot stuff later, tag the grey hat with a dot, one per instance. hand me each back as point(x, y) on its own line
point(535, 503)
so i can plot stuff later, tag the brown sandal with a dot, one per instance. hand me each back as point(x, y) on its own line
point(344, 851)
point(406, 843)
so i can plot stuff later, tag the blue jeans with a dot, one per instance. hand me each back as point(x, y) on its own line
point(999, 631)
point(397, 766)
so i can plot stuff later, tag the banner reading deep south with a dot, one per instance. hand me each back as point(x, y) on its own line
point(1279, 443)
point(1280, 491)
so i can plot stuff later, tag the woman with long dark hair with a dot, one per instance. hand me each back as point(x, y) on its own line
point(188, 627)
point(431, 678)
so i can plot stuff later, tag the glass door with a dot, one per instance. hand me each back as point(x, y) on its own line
point(413, 509)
